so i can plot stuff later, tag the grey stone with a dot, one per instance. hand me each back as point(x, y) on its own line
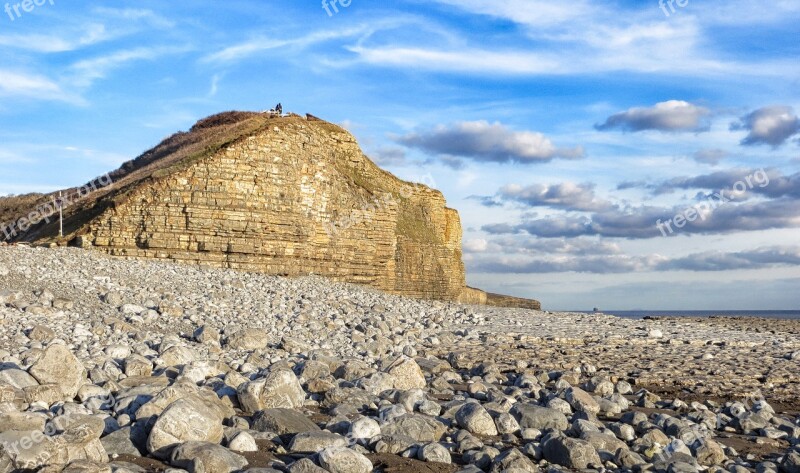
point(434, 453)
point(473, 417)
point(205, 457)
point(283, 421)
point(571, 453)
point(121, 443)
point(415, 426)
point(580, 400)
point(513, 460)
point(312, 442)
point(535, 417)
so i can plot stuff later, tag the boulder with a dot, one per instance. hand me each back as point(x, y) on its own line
point(513, 460)
point(205, 457)
point(535, 417)
point(344, 460)
point(246, 339)
point(59, 366)
point(312, 442)
point(418, 427)
point(283, 421)
point(571, 453)
point(185, 420)
point(279, 389)
point(434, 453)
point(582, 401)
point(406, 374)
point(473, 417)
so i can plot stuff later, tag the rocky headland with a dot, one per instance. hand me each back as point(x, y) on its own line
point(282, 195)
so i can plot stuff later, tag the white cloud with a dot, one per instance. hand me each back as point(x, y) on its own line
point(15, 84)
point(772, 125)
point(532, 13)
point(588, 39)
point(566, 195)
point(257, 45)
point(51, 43)
point(670, 116)
point(488, 142)
point(477, 245)
point(86, 71)
point(136, 14)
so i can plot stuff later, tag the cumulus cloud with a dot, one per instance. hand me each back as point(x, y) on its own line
point(593, 264)
point(640, 222)
point(567, 195)
point(717, 261)
point(670, 116)
point(769, 182)
point(772, 125)
point(528, 245)
point(710, 156)
point(477, 245)
point(760, 258)
point(488, 142)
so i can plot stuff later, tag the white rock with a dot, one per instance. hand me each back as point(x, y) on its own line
point(344, 460)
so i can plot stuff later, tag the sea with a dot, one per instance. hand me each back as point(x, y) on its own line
point(768, 314)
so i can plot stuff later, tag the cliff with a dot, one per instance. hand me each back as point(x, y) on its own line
point(280, 195)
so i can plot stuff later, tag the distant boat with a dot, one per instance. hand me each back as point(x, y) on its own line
point(597, 311)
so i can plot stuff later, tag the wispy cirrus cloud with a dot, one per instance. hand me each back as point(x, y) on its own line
point(255, 45)
point(86, 71)
point(78, 38)
point(136, 15)
point(31, 86)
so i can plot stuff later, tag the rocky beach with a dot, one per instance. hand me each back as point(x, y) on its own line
point(112, 365)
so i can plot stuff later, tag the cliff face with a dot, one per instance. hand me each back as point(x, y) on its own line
point(295, 198)
point(286, 196)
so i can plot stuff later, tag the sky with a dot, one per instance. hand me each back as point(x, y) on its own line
point(622, 155)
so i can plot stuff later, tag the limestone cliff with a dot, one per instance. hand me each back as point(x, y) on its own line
point(281, 195)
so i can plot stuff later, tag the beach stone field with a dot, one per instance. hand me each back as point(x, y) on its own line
point(113, 365)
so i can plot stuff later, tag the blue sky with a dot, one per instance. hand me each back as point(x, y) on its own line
point(561, 131)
